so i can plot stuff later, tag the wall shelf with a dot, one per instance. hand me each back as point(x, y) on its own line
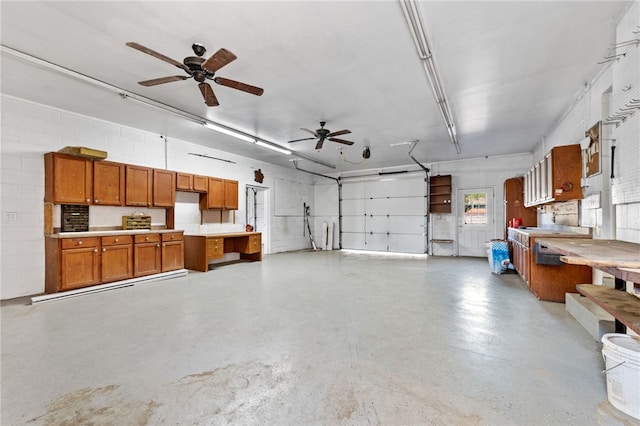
point(440, 194)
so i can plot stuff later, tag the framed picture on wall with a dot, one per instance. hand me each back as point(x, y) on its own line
point(593, 152)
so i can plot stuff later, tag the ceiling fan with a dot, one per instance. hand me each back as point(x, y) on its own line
point(200, 69)
point(323, 134)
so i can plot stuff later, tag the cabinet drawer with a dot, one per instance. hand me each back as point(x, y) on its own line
point(113, 240)
point(147, 238)
point(215, 248)
point(68, 243)
point(172, 236)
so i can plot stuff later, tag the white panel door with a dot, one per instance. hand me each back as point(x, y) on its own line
point(385, 214)
point(475, 220)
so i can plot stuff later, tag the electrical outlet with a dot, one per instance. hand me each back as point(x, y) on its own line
point(9, 216)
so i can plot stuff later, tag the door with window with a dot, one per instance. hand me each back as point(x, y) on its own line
point(476, 224)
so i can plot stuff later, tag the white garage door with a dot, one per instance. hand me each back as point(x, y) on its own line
point(385, 213)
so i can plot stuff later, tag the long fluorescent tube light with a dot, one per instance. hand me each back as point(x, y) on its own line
point(229, 132)
point(274, 148)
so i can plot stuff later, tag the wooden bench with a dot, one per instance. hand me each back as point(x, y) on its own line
point(623, 306)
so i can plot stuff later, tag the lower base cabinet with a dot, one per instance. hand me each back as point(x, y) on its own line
point(172, 252)
point(147, 255)
point(72, 263)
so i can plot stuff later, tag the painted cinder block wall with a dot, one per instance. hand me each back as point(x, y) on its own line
point(29, 130)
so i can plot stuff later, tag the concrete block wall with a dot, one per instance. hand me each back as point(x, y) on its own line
point(614, 87)
point(29, 130)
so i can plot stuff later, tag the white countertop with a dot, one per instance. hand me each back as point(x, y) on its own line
point(113, 232)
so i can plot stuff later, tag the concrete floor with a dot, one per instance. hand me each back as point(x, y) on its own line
point(306, 338)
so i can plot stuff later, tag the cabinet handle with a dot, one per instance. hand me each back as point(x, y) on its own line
point(157, 245)
point(146, 238)
point(104, 249)
point(88, 200)
point(96, 201)
point(80, 242)
point(164, 244)
point(95, 250)
point(117, 240)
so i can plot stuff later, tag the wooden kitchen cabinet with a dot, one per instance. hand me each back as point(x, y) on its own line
point(546, 282)
point(117, 258)
point(172, 251)
point(68, 179)
point(556, 177)
point(139, 186)
point(147, 255)
point(164, 188)
point(230, 194)
point(214, 198)
point(71, 263)
point(191, 183)
point(108, 183)
point(514, 204)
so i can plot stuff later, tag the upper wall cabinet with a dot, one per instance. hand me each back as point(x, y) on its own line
point(139, 190)
point(68, 179)
point(555, 178)
point(221, 194)
point(192, 183)
point(164, 188)
point(108, 183)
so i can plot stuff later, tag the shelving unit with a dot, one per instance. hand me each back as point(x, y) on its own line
point(440, 194)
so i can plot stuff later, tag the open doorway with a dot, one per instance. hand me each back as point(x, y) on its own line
point(257, 213)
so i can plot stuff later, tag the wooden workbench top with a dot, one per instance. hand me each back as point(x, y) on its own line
point(619, 258)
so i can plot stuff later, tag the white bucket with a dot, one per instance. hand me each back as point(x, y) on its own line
point(621, 354)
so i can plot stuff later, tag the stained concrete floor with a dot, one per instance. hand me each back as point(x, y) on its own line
point(305, 338)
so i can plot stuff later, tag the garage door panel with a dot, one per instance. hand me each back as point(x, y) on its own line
point(404, 206)
point(352, 223)
point(407, 224)
point(406, 243)
point(352, 207)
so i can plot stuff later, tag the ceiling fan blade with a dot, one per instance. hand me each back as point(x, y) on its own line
point(163, 80)
point(218, 60)
point(319, 144)
point(208, 95)
point(341, 141)
point(309, 131)
point(157, 55)
point(298, 140)
point(339, 132)
point(240, 86)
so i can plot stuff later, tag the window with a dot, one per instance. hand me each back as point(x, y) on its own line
point(475, 209)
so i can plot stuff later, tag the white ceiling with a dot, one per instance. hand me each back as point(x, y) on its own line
point(509, 69)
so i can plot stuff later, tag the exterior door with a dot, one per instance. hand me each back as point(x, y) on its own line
point(476, 224)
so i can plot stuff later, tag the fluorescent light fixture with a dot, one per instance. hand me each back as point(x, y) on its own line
point(273, 147)
point(230, 132)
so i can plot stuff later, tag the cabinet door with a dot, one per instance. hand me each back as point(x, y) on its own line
point(172, 255)
point(68, 179)
point(108, 183)
point(139, 186)
point(80, 267)
point(147, 259)
point(164, 188)
point(117, 262)
point(184, 181)
point(215, 194)
point(200, 183)
point(231, 194)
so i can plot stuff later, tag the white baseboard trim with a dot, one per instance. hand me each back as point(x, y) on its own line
point(109, 286)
